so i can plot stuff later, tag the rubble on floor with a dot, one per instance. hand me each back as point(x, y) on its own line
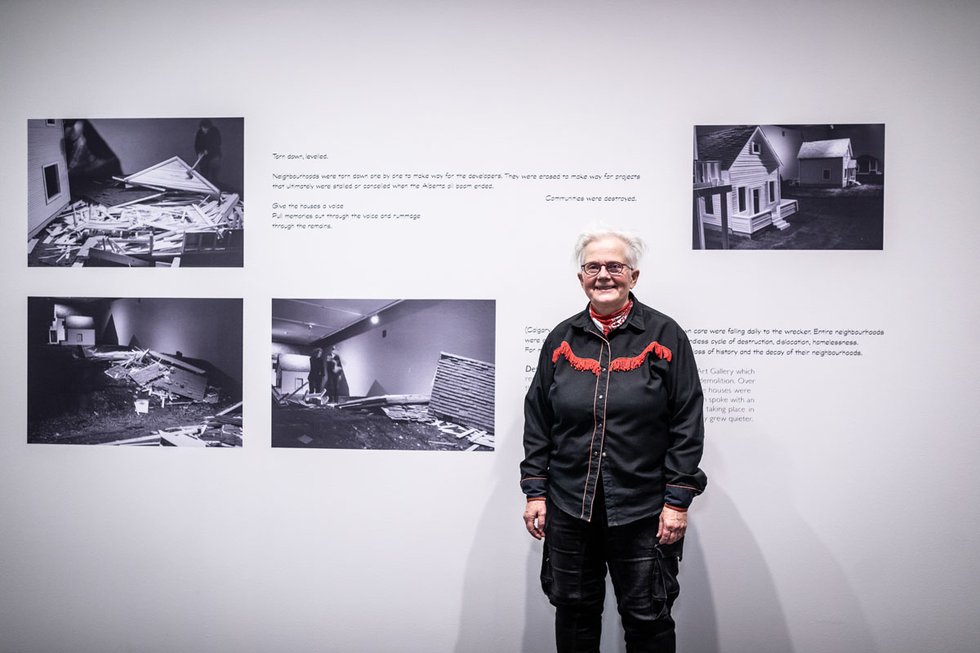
point(398, 408)
point(173, 381)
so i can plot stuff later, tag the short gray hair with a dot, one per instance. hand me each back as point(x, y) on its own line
point(634, 244)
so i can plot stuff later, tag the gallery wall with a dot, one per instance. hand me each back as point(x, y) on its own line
point(839, 514)
point(401, 352)
point(170, 325)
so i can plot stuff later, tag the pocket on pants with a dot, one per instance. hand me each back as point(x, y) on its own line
point(547, 575)
point(664, 585)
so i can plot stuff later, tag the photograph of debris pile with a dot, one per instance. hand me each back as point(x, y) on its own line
point(794, 186)
point(135, 192)
point(135, 371)
point(404, 374)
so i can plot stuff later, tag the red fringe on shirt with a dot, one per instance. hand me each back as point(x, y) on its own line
point(627, 364)
point(580, 364)
point(619, 365)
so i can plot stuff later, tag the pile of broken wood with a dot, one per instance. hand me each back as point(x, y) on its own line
point(175, 381)
point(162, 376)
point(150, 218)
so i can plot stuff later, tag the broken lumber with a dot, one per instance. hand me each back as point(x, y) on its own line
point(384, 400)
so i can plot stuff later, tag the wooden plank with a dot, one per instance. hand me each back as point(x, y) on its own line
point(117, 259)
point(145, 439)
point(229, 409)
point(227, 207)
point(204, 219)
point(180, 439)
point(147, 374)
point(135, 183)
point(383, 400)
point(176, 361)
point(183, 383)
point(286, 399)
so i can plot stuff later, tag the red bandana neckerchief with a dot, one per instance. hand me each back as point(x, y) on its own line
point(609, 322)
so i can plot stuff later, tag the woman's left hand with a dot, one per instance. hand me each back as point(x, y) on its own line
point(673, 525)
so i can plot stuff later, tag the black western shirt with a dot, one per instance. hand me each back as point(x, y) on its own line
point(624, 410)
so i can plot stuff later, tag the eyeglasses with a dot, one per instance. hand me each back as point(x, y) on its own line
point(612, 267)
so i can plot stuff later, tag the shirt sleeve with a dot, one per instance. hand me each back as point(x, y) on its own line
point(685, 480)
point(538, 421)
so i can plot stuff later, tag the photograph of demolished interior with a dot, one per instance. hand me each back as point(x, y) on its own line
point(383, 374)
point(134, 371)
point(135, 192)
point(789, 186)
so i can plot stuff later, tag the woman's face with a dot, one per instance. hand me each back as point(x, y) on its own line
point(607, 293)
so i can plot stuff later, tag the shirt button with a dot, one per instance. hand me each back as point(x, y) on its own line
point(600, 396)
point(603, 454)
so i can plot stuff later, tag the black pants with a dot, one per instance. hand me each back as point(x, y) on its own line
point(644, 576)
point(316, 384)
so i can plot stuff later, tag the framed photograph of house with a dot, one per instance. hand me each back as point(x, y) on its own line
point(408, 374)
point(789, 186)
point(134, 371)
point(135, 192)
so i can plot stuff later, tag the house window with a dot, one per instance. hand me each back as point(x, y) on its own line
point(741, 199)
point(709, 205)
point(772, 191)
point(52, 182)
point(826, 174)
point(755, 148)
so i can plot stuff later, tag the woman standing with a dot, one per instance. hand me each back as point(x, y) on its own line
point(613, 437)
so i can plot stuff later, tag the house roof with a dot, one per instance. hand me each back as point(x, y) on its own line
point(830, 149)
point(176, 174)
point(724, 145)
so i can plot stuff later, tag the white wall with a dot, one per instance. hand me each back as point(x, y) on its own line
point(401, 352)
point(843, 518)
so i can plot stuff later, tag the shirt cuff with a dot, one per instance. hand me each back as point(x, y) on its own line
point(680, 497)
point(535, 487)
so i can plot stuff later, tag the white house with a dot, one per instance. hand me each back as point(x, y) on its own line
point(743, 159)
point(829, 163)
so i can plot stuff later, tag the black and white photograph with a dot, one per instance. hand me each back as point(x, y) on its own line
point(809, 187)
point(409, 374)
point(135, 371)
point(135, 192)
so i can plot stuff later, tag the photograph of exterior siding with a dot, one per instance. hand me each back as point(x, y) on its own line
point(788, 186)
point(462, 391)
